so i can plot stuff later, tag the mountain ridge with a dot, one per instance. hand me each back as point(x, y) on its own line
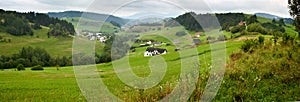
point(89, 15)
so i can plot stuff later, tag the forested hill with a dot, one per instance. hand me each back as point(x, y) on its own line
point(89, 15)
point(18, 24)
point(228, 21)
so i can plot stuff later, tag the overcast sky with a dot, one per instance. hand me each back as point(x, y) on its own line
point(125, 8)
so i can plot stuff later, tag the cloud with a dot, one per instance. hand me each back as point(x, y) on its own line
point(166, 7)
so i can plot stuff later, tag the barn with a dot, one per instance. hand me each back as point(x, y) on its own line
point(151, 51)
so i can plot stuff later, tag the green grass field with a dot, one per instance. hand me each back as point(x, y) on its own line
point(55, 46)
point(61, 85)
point(47, 85)
point(52, 85)
point(92, 25)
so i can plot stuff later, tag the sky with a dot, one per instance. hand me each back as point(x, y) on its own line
point(172, 8)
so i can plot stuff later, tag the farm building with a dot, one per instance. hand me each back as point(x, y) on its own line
point(150, 51)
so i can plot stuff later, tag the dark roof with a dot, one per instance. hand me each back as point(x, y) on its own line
point(197, 41)
point(151, 49)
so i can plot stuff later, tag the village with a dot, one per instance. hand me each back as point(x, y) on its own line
point(100, 37)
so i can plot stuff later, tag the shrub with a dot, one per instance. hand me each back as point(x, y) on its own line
point(256, 27)
point(235, 56)
point(237, 29)
point(248, 45)
point(221, 38)
point(211, 38)
point(286, 38)
point(20, 67)
point(274, 27)
point(38, 67)
point(181, 33)
point(261, 39)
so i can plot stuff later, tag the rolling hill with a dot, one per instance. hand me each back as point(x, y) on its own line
point(56, 46)
point(270, 16)
point(92, 25)
point(250, 75)
point(89, 15)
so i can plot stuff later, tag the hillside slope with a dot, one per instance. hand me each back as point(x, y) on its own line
point(89, 15)
point(56, 46)
point(91, 25)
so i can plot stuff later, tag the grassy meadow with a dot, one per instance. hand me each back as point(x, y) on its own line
point(92, 25)
point(55, 46)
point(47, 85)
point(61, 85)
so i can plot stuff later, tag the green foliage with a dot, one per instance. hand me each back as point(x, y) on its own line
point(281, 22)
point(20, 67)
point(256, 27)
point(273, 27)
point(17, 23)
point(261, 39)
point(252, 19)
point(222, 38)
point(211, 38)
point(249, 45)
point(28, 57)
point(115, 24)
point(1, 65)
point(38, 67)
point(294, 11)
point(181, 33)
point(263, 75)
point(189, 22)
point(237, 29)
point(274, 21)
point(226, 20)
point(287, 39)
point(58, 30)
point(37, 26)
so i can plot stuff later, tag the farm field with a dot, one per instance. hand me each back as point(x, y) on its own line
point(61, 85)
point(56, 46)
point(47, 85)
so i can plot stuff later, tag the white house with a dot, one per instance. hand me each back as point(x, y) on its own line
point(102, 39)
point(157, 43)
point(150, 51)
point(149, 42)
point(98, 34)
point(92, 38)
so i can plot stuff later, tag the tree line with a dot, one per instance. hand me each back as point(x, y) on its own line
point(18, 24)
point(190, 20)
point(115, 48)
point(228, 22)
point(29, 57)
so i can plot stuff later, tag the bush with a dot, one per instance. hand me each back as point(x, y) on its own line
point(38, 67)
point(249, 45)
point(211, 38)
point(222, 38)
point(256, 27)
point(20, 67)
point(274, 27)
point(181, 33)
point(237, 29)
point(261, 39)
